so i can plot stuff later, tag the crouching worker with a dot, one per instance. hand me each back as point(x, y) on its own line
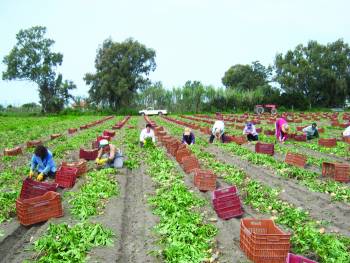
point(218, 131)
point(147, 133)
point(188, 137)
point(109, 156)
point(311, 131)
point(250, 131)
point(282, 129)
point(42, 164)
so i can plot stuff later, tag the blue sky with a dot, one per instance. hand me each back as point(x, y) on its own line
point(193, 39)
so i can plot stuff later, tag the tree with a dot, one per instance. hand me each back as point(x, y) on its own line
point(121, 70)
point(32, 59)
point(246, 77)
point(320, 73)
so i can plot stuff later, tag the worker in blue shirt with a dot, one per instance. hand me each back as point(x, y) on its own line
point(42, 163)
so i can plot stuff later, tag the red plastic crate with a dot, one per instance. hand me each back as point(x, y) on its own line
point(55, 136)
point(31, 188)
point(103, 137)
point(180, 154)
point(88, 155)
point(109, 133)
point(295, 159)
point(263, 241)
point(240, 139)
point(95, 144)
point(81, 165)
point(13, 152)
point(300, 138)
point(269, 132)
point(337, 171)
point(33, 143)
point(39, 209)
point(66, 176)
point(265, 148)
point(72, 130)
point(291, 258)
point(331, 142)
point(204, 180)
point(190, 163)
point(227, 203)
point(83, 127)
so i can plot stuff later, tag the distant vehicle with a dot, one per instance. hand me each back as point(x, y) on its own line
point(260, 109)
point(152, 111)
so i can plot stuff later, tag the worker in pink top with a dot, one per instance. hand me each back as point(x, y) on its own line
point(282, 129)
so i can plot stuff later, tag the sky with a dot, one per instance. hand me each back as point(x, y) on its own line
point(193, 39)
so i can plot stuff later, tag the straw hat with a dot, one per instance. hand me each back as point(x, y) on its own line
point(187, 131)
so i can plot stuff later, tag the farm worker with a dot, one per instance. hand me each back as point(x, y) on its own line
point(42, 163)
point(218, 130)
point(109, 155)
point(346, 132)
point(188, 137)
point(147, 133)
point(250, 131)
point(282, 129)
point(311, 131)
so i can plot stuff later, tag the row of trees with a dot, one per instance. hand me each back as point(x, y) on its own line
point(314, 75)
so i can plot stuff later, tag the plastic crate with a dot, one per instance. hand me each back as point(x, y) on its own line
point(190, 163)
point(81, 165)
point(66, 176)
point(259, 130)
point(116, 127)
point(300, 138)
point(83, 127)
point(296, 159)
point(331, 142)
point(263, 242)
point(95, 144)
point(227, 203)
point(72, 130)
point(33, 143)
point(337, 171)
point(31, 188)
point(88, 155)
point(55, 136)
point(204, 180)
point(180, 154)
point(265, 148)
point(109, 133)
point(269, 132)
point(291, 258)
point(39, 209)
point(103, 137)
point(13, 152)
point(240, 140)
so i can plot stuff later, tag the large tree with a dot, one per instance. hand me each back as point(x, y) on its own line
point(320, 73)
point(121, 70)
point(246, 77)
point(32, 59)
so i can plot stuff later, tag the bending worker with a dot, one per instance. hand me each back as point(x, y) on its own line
point(311, 131)
point(250, 131)
point(109, 156)
point(42, 163)
point(282, 129)
point(188, 137)
point(218, 131)
point(147, 133)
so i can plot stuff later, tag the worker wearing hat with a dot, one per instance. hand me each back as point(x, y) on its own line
point(250, 131)
point(188, 137)
point(108, 155)
point(311, 131)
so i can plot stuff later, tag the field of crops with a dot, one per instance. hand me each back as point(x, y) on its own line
point(156, 208)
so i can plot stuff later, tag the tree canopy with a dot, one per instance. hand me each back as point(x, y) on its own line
point(32, 59)
point(121, 70)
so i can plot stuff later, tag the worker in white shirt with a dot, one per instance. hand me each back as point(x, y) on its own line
point(250, 131)
point(346, 132)
point(147, 133)
point(218, 131)
point(311, 131)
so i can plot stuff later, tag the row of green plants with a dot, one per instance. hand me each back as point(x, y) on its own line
point(11, 178)
point(308, 235)
point(184, 237)
point(18, 130)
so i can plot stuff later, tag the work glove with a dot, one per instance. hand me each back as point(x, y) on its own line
point(31, 173)
point(40, 177)
point(97, 160)
point(103, 161)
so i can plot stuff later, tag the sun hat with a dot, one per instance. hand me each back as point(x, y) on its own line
point(103, 143)
point(187, 131)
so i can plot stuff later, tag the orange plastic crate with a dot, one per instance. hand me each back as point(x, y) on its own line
point(263, 241)
point(13, 152)
point(81, 165)
point(33, 143)
point(66, 176)
point(296, 159)
point(39, 209)
point(337, 171)
point(204, 180)
point(266, 148)
point(190, 163)
point(332, 142)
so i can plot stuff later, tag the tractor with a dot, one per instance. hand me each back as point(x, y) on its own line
point(260, 109)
